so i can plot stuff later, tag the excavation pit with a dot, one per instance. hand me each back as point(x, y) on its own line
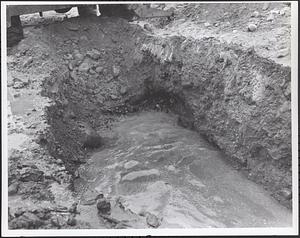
point(117, 78)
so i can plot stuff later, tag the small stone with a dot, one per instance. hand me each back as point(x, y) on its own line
point(187, 84)
point(255, 14)
point(99, 69)
point(147, 27)
point(70, 66)
point(270, 17)
point(266, 6)
point(94, 54)
point(286, 193)
point(206, 24)
point(171, 168)
point(130, 164)
point(281, 12)
point(109, 77)
point(84, 38)
point(234, 31)
point(71, 221)
point(73, 28)
point(252, 27)
point(73, 75)
point(13, 188)
point(73, 208)
point(28, 61)
point(282, 53)
point(123, 90)
point(78, 56)
point(113, 97)
point(91, 71)
point(57, 221)
point(274, 11)
point(103, 205)
point(152, 220)
point(84, 67)
point(116, 71)
point(17, 95)
point(68, 57)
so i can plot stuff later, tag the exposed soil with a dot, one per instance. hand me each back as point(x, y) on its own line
point(232, 90)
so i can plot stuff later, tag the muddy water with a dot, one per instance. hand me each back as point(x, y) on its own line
point(158, 167)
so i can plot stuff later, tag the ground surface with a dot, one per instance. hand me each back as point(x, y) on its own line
point(56, 79)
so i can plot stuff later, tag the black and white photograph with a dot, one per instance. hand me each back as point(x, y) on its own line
point(149, 118)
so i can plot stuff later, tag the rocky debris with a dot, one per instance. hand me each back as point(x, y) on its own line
point(94, 54)
point(171, 168)
point(103, 205)
point(151, 173)
point(252, 27)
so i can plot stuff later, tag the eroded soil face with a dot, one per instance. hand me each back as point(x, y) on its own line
point(101, 71)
